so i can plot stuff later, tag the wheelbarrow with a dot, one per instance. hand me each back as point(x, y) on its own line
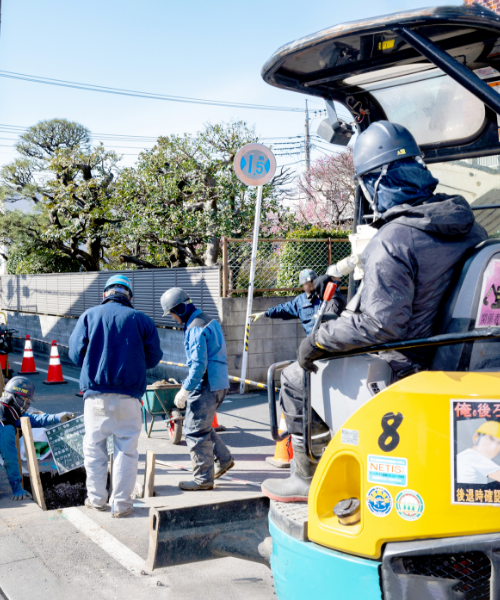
point(158, 401)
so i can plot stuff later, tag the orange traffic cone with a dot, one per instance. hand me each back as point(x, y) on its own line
point(28, 366)
point(284, 451)
point(54, 376)
point(216, 426)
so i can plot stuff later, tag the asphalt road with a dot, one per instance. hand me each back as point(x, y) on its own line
point(58, 554)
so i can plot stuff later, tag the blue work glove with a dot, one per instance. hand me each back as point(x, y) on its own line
point(21, 495)
point(65, 416)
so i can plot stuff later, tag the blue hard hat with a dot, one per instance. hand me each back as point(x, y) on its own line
point(382, 143)
point(119, 280)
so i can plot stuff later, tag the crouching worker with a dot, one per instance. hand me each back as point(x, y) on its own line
point(204, 389)
point(14, 403)
point(114, 344)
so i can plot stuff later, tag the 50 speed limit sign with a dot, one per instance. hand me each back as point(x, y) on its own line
point(255, 164)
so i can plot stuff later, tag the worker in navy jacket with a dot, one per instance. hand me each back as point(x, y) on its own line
point(114, 344)
point(14, 403)
point(305, 306)
point(204, 389)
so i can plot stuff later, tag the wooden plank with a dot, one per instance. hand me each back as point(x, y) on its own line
point(149, 474)
point(36, 482)
point(18, 446)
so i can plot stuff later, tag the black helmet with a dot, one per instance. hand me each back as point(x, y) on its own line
point(382, 143)
point(19, 393)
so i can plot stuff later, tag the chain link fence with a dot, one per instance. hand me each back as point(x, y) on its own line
point(279, 262)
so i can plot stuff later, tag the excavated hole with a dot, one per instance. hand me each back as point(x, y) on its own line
point(62, 491)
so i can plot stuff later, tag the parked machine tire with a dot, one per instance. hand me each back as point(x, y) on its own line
point(175, 427)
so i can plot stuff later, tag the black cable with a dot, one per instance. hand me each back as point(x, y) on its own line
point(138, 94)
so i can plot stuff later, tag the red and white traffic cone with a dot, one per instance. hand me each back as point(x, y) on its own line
point(55, 375)
point(28, 366)
point(216, 426)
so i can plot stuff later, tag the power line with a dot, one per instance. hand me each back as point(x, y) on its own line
point(138, 94)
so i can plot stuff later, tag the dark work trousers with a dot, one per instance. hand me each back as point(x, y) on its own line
point(292, 405)
point(201, 438)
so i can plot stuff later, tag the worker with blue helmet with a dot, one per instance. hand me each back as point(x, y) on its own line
point(114, 345)
point(305, 306)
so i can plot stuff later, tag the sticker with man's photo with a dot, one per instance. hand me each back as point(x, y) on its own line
point(475, 437)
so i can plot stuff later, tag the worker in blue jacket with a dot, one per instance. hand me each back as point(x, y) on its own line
point(203, 390)
point(14, 403)
point(305, 306)
point(113, 344)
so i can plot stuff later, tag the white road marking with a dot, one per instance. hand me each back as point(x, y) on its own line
point(45, 371)
point(118, 551)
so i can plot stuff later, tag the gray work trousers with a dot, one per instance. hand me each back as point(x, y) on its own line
point(201, 438)
point(292, 405)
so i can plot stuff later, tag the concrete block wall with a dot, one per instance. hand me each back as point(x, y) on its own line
point(271, 340)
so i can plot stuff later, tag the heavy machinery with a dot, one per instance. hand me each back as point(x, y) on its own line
point(402, 505)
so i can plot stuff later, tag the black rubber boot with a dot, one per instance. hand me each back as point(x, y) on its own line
point(296, 487)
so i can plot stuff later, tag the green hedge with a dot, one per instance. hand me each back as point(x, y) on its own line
point(295, 256)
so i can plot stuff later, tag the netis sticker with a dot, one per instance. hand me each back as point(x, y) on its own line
point(388, 470)
point(350, 436)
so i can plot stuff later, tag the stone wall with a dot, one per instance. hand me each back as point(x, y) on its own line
point(271, 340)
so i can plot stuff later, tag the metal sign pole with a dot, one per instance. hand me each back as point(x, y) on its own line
point(255, 243)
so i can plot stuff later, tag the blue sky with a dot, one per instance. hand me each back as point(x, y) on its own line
point(209, 49)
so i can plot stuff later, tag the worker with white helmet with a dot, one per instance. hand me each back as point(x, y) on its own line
point(204, 389)
point(305, 306)
point(113, 344)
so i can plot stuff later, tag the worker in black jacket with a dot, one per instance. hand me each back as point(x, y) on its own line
point(408, 266)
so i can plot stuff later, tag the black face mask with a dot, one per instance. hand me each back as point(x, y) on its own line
point(18, 403)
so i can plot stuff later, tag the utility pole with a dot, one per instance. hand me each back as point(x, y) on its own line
point(307, 144)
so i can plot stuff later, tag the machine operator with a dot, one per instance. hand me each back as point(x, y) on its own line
point(408, 266)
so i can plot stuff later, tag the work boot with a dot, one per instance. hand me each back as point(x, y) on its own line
point(192, 486)
point(296, 487)
point(89, 504)
point(221, 469)
point(124, 513)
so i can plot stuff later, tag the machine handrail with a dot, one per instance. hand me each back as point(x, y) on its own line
point(271, 397)
point(445, 339)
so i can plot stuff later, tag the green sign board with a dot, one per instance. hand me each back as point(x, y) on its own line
point(66, 443)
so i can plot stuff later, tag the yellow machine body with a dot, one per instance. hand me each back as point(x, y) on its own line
point(417, 453)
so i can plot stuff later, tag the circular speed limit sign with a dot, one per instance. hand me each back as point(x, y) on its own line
point(254, 164)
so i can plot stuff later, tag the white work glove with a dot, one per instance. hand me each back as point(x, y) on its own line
point(257, 316)
point(181, 398)
point(65, 416)
point(21, 495)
